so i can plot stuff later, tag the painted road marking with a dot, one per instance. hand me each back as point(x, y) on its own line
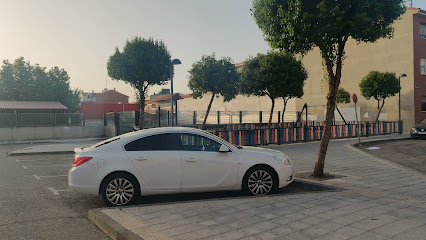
point(26, 167)
point(56, 191)
point(37, 160)
point(39, 177)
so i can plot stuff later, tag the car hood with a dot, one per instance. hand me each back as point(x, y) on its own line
point(419, 126)
point(261, 150)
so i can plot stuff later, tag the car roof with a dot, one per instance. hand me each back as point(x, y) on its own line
point(163, 130)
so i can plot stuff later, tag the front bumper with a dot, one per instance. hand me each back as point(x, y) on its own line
point(285, 175)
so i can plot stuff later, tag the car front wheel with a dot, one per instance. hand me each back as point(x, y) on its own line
point(119, 189)
point(260, 181)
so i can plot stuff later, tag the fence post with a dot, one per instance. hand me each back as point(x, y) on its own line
point(105, 119)
point(260, 116)
point(117, 123)
point(159, 116)
point(367, 130)
point(241, 116)
point(218, 117)
point(168, 118)
point(137, 117)
point(83, 119)
point(54, 119)
point(194, 118)
point(279, 135)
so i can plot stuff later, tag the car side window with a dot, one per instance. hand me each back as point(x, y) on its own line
point(192, 142)
point(159, 142)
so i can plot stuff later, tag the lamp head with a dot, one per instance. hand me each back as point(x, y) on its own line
point(403, 75)
point(176, 62)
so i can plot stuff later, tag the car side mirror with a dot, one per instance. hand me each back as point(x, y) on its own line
point(224, 148)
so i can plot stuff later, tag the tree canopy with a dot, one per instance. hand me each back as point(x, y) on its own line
point(21, 81)
point(142, 63)
point(343, 96)
point(297, 26)
point(217, 76)
point(379, 85)
point(276, 75)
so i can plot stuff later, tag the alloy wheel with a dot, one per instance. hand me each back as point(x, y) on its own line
point(119, 191)
point(260, 182)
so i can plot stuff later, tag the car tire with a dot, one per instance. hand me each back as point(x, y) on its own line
point(120, 189)
point(260, 180)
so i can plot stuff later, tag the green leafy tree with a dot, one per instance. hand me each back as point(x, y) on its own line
point(217, 76)
point(142, 64)
point(21, 81)
point(343, 97)
point(276, 75)
point(297, 26)
point(379, 86)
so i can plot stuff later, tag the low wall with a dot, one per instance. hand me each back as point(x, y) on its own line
point(110, 131)
point(40, 133)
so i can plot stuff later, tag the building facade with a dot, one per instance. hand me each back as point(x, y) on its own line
point(405, 53)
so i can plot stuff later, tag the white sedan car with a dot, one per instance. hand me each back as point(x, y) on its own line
point(175, 160)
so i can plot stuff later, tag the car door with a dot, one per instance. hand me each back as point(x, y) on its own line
point(204, 167)
point(158, 160)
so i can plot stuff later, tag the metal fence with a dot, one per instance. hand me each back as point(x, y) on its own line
point(40, 119)
point(304, 133)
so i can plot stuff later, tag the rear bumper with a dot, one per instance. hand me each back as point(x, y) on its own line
point(83, 179)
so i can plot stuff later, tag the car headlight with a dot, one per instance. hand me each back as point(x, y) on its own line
point(284, 159)
point(414, 130)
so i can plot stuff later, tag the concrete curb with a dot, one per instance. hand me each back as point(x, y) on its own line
point(110, 227)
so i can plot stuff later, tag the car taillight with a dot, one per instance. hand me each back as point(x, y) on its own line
point(80, 160)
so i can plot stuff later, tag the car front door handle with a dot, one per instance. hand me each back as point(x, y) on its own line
point(141, 159)
point(190, 160)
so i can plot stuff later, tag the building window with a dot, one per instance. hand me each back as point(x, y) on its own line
point(423, 103)
point(423, 30)
point(423, 66)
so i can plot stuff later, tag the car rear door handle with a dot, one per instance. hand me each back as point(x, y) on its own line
point(141, 159)
point(190, 160)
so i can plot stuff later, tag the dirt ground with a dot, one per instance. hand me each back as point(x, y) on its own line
point(407, 152)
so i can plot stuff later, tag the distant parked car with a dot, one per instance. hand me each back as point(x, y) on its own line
point(175, 160)
point(419, 130)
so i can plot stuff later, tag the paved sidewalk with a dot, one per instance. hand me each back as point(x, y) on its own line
point(382, 201)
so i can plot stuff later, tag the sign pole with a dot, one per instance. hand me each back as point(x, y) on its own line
point(355, 100)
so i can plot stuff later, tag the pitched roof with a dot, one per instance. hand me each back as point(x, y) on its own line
point(166, 97)
point(31, 105)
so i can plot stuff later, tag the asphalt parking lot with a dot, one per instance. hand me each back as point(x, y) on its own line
point(410, 153)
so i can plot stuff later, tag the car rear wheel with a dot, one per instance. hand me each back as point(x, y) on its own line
point(120, 189)
point(260, 181)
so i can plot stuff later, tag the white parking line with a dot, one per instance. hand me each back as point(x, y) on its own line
point(39, 177)
point(56, 191)
point(26, 167)
point(53, 190)
point(37, 160)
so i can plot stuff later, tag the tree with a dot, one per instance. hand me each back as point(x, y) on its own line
point(218, 76)
point(297, 26)
point(342, 97)
point(274, 75)
point(142, 63)
point(379, 86)
point(21, 81)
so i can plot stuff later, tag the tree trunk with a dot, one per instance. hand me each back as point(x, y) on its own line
point(207, 112)
point(331, 105)
point(285, 106)
point(333, 86)
point(142, 109)
point(341, 115)
point(380, 110)
point(272, 112)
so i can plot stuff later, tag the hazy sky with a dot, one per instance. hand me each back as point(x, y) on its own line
point(80, 35)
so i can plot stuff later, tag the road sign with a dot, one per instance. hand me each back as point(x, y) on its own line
point(354, 98)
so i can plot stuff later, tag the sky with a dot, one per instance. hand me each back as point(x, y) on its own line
point(80, 35)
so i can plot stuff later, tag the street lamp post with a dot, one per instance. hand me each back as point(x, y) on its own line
point(399, 103)
point(172, 63)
